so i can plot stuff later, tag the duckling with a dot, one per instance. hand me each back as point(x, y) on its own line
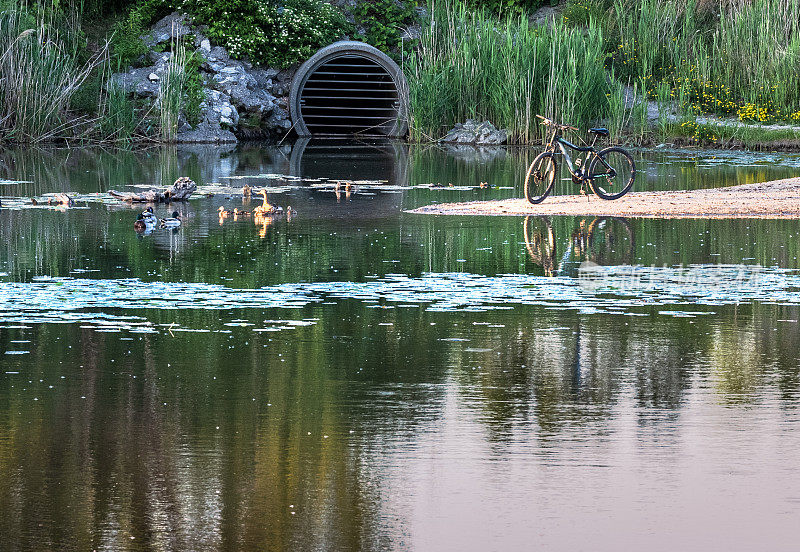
point(223, 213)
point(485, 185)
point(241, 213)
point(173, 222)
point(290, 213)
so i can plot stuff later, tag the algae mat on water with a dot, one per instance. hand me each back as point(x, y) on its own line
point(775, 199)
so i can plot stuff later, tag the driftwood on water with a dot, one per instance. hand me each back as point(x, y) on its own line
point(179, 191)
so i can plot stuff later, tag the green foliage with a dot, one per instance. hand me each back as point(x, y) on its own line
point(470, 64)
point(87, 96)
point(507, 6)
point(383, 22)
point(41, 69)
point(580, 12)
point(193, 87)
point(126, 44)
point(742, 59)
point(120, 116)
point(266, 33)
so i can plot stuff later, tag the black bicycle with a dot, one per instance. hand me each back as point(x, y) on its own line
point(609, 172)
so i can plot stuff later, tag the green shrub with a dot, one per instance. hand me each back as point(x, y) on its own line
point(507, 6)
point(383, 22)
point(263, 32)
point(126, 44)
point(738, 58)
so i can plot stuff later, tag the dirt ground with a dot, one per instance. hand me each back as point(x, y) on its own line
point(776, 199)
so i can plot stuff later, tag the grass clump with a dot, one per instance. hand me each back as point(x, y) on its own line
point(470, 64)
point(41, 70)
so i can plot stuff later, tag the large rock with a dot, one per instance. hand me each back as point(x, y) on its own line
point(218, 118)
point(248, 92)
point(167, 30)
point(137, 82)
point(475, 133)
point(239, 98)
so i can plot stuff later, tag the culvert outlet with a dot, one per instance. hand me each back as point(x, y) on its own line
point(348, 89)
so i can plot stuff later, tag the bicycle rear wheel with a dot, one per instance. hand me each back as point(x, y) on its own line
point(540, 177)
point(611, 173)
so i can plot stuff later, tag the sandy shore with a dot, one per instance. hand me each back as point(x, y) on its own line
point(776, 199)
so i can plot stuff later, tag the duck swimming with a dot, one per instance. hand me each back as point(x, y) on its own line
point(141, 223)
point(148, 214)
point(172, 222)
point(266, 208)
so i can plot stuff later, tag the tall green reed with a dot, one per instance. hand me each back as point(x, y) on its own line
point(40, 71)
point(171, 92)
point(470, 64)
point(749, 56)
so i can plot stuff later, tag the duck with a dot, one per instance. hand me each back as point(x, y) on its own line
point(246, 191)
point(485, 185)
point(266, 209)
point(61, 199)
point(224, 213)
point(241, 213)
point(172, 222)
point(141, 223)
point(148, 214)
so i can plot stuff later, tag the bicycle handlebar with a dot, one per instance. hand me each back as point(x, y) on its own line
point(548, 122)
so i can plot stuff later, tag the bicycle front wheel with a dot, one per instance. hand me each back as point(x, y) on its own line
point(611, 173)
point(540, 178)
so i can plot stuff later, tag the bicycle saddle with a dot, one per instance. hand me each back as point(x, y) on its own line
point(599, 131)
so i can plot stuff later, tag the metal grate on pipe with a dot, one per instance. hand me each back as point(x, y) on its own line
point(349, 88)
point(349, 94)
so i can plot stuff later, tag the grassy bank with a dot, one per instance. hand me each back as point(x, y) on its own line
point(732, 59)
point(470, 64)
point(735, 57)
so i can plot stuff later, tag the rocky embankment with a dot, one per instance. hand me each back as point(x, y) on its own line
point(241, 101)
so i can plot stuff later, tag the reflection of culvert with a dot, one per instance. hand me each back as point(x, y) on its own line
point(343, 159)
point(349, 88)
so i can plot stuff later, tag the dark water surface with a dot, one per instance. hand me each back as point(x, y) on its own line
point(358, 378)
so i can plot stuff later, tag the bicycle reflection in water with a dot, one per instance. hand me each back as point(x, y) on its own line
point(604, 241)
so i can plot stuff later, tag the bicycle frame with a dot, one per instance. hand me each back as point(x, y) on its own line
point(557, 146)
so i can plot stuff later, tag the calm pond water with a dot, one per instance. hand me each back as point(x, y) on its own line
point(359, 378)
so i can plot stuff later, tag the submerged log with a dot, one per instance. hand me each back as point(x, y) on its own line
point(181, 190)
